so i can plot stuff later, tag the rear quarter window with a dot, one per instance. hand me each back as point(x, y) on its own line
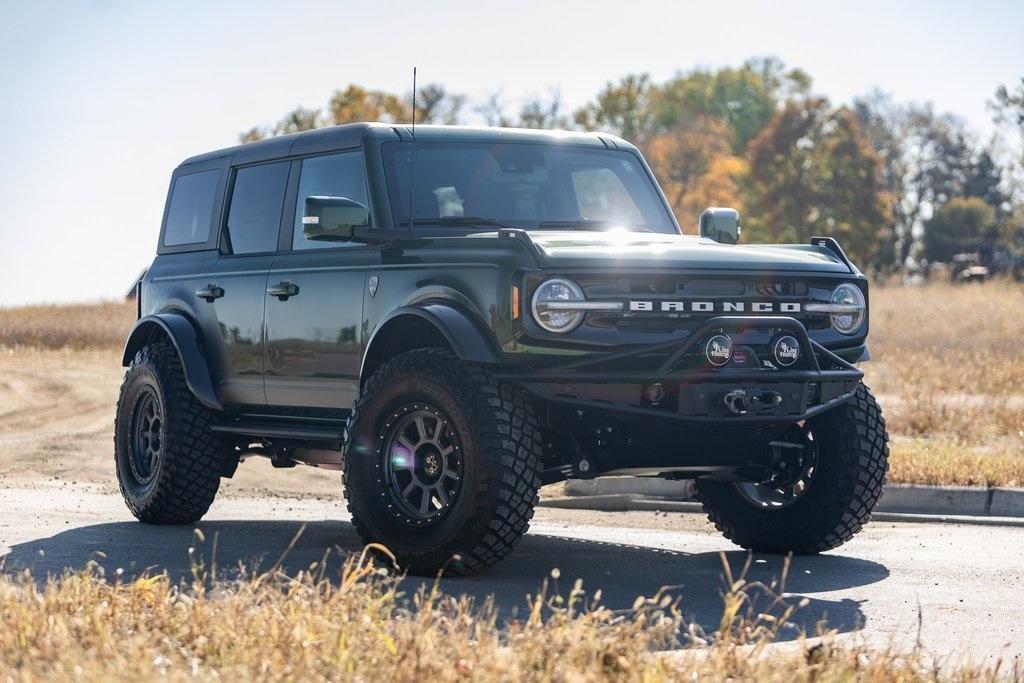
point(257, 200)
point(190, 209)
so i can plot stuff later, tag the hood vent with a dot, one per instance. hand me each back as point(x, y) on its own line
point(598, 288)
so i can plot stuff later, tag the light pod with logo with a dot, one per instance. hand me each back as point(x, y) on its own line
point(785, 350)
point(718, 349)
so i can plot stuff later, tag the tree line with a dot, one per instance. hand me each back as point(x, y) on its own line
point(896, 183)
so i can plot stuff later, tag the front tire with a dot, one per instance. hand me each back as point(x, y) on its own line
point(846, 479)
point(442, 463)
point(168, 460)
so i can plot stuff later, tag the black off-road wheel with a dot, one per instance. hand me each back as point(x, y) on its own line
point(442, 464)
point(168, 461)
point(832, 474)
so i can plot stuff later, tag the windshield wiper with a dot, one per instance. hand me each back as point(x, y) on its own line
point(588, 224)
point(469, 221)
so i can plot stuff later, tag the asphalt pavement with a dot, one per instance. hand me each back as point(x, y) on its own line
point(956, 588)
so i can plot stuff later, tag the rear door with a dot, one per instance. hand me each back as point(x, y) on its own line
point(315, 335)
point(236, 283)
point(188, 241)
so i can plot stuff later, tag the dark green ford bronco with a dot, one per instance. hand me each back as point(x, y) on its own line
point(456, 319)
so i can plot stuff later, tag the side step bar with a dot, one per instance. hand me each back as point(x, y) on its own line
point(330, 436)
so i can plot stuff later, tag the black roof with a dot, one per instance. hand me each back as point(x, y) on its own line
point(352, 135)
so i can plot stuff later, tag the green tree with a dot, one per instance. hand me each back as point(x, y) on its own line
point(927, 160)
point(356, 103)
point(252, 135)
point(298, 120)
point(492, 109)
point(543, 112)
point(1008, 113)
point(812, 172)
point(434, 104)
point(745, 98)
point(958, 227)
point(295, 121)
point(695, 167)
point(1008, 105)
point(880, 121)
point(985, 181)
point(623, 108)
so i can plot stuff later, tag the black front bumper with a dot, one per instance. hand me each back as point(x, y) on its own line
point(617, 383)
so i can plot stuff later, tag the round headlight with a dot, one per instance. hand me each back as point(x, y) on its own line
point(552, 305)
point(850, 297)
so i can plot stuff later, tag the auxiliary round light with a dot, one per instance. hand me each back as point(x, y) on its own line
point(849, 295)
point(785, 350)
point(548, 298)
point(718, 349)
point(654, 393)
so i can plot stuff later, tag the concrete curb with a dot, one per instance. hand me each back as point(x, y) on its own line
point(912, 499)
point(630, 502)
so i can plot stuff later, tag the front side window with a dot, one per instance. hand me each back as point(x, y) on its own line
point(257, 200)
point(190, 209)
point(529, 185)
point(336, 175)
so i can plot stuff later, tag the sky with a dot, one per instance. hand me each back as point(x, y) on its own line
point(100, 100)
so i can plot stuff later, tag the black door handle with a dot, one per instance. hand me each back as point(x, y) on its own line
point(210, 292)
point(282, 290)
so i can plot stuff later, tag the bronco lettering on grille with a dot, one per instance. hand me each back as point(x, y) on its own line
point(713, 307)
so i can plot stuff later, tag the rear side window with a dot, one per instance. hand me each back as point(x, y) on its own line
point(190, 211)
point(256, 203)
point(336, 175)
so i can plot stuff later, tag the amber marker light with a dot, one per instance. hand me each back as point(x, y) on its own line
point(515, 302)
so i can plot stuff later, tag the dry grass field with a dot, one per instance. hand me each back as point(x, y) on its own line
point(948, 368)
point(89, 627)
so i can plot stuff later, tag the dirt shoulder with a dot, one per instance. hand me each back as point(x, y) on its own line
point(57, 422)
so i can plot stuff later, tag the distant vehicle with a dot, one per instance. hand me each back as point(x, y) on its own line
point(456, 320)
point(967, 267)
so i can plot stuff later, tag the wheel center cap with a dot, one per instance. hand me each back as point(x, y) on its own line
point(432, 464)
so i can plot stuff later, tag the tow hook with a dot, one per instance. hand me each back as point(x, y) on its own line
point(741, 401)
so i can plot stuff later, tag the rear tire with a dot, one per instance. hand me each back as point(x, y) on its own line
point(442, 463)
point(852, 461)
point(168, 460)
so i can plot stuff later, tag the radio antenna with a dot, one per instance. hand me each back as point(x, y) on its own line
point(412, 158)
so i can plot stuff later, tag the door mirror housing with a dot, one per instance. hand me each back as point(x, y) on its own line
point(720, 224)
point(333, 219)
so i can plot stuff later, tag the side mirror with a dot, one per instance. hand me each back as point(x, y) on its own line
point(721, 225)
point(332, 219)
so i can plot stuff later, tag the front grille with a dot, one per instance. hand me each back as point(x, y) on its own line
point(664, 303)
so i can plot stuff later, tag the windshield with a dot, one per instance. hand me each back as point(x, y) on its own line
point(528, 185)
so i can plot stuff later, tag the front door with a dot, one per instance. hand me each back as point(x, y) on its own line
point(237, 282)
point(315, 296)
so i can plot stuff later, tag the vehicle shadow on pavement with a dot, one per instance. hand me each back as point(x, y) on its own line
point(622, 572)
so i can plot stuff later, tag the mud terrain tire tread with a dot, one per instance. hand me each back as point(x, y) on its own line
point(508, 449)
point(853, 461)
point(190, 469)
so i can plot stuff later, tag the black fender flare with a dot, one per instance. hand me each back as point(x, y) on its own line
point(187, 343)
point(461, 330)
